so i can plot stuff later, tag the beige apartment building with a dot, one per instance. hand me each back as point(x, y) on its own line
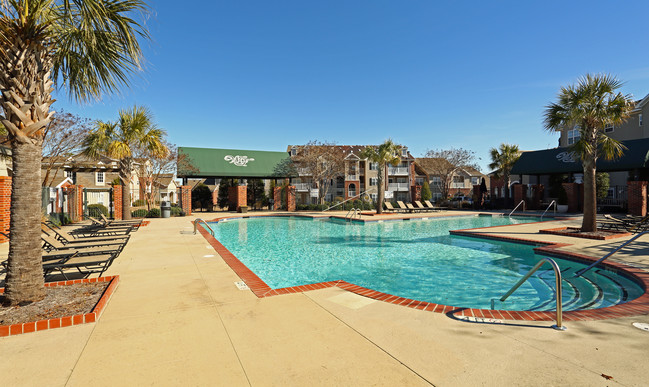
point(358, 177)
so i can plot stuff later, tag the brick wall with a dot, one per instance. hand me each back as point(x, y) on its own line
point(637, 196)
point(290, 198)
point(186, 199)
point(5, 204)
point(415, 192)
point(117, 202)
point(277, 198)
point(357, 186)
point(238, 197)
point(575, 193)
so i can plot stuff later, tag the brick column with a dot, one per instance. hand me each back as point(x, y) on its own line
point(637, 196)
point(5, 204)
point(238, 196)
point(572, 191)
point(117, 202)
point(519, 193)
point(186, 199)
point(415, 192)
point(277, 198)
point(290, 198)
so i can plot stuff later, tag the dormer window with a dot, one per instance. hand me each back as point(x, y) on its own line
point(404, 152)
point(293, 151)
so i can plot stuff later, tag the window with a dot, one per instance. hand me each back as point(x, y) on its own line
point(640, 119)
point(458, 179)
point(374, 196)
point(573, 135)
point(608, 128)
point(374, 166)
point(374, 181)
point(404, 152)
point(293, 151)
point(419, 180)
point(69, 174)
point(437, 180)
point(475, 180)
point(437, 196)
point(99, 177)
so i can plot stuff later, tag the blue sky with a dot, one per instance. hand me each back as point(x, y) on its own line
point(430, 75)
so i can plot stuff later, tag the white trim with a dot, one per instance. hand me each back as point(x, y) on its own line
point(63, 182)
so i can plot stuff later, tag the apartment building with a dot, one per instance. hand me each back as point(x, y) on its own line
point(355, 176)
point(461, 180)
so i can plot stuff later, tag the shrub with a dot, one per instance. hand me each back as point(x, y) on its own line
point(141, 213)
point(139, 203)
point(153, 213)
point(95, 209)
point(177, 211)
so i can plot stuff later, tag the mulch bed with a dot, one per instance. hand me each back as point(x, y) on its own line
point(576, 232)
point(60, 301)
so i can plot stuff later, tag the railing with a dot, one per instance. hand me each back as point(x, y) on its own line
point(397, 170)
point(303, 187)
point(351, 177)
point(550, 205)
point(557, 290)
point(398, 187)
point(303, 172)
point(344, 201)
point(457, 185)
point(205, 223)
point(579, 273)
point(353, 213)
point(518, 205)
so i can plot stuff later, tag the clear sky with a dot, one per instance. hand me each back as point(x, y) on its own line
point(261, 74)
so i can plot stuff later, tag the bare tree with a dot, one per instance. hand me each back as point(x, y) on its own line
point(444, 163)
point(63, 138)
point(152, 167)
point(323, 161)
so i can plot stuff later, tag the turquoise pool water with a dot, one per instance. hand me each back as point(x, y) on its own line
point(416, 259)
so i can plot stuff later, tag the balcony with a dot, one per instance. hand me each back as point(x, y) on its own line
point(457, 185)
point(351, 177)
point(398, 187)
point(303, 187)
point(398, 171)
point(303, 172)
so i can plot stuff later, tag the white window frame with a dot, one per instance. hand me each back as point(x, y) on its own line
point(475, 180)
point(574, 135)
point(404, 152)
point(436, 180)
point(374, 181)
point(374, 166)
point(69, 174)
point(99, 181)
point(293, 151)
point(608, 128)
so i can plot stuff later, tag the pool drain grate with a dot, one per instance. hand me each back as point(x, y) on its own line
point(242, 285)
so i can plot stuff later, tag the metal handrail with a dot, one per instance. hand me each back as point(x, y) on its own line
point(352, 198)
point(579, 273)
point(205, 223)
point(354, 212)
point(559, 297)
point(518, 205)
point(550, 205)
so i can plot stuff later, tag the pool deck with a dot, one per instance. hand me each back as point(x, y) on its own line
point(178, 318)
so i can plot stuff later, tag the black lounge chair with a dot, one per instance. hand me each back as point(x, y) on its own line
point(111, 222)
point(66, 238)
point(50, 244)
point(84, 265)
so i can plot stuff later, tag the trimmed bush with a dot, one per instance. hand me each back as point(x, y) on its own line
point(139, 203)
point(177, 211)
point(141, 213)
point(95, 209)
point(153, 213)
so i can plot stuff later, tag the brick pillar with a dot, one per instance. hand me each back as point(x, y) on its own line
point(186, 199)
point(117, 202)
point(572, 191)
point(537, 196)
point(415, 192)
point(238, 196)
point(5, 204)
point(290, 198)
point(519, 193)
point(357, 186)
point(277, 198)
point(75, 198)
point(637, 196)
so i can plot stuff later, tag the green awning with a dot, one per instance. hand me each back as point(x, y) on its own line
point(561, 160)
point(207, 162)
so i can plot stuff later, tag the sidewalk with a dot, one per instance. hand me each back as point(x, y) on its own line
point(177, 318)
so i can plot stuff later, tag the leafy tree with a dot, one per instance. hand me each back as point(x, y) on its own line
point(118, 140)
point(589, 106)
point(444, 163)
point(255, 191)
point(86, 47)
point(603, 184)
point(502, 161)
point(425, 191)
point(202, 195)
point(223, 196)
point(386, 153)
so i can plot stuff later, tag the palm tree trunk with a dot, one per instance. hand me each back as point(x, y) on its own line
point(381, 189)
point(589, 223)
point(125, 176)
point(25, 282)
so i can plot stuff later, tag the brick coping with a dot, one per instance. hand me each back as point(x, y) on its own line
point(634, 307)
point(28, 327)
point(563, 231)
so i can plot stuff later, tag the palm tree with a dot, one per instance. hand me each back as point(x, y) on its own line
point(590, 106)
point(86, 47)
point(502, 161)
point(386, 153)
point(118, 140)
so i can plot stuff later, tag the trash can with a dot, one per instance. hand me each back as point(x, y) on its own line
point(165, 209)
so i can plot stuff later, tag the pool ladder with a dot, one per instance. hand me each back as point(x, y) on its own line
point(518, 205)
point(557, 290)
point(550, 205)
point(205, 223)
point(352, 214)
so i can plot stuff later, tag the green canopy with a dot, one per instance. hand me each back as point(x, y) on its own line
point(561, 160)
point(207, 162)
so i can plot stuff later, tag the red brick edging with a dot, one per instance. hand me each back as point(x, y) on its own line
point(17, 329)
point(634, 307)
point(563, 231)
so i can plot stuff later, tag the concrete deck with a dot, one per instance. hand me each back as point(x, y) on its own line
point(177, 318)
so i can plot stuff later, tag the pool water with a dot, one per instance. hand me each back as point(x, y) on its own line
point(415, 259)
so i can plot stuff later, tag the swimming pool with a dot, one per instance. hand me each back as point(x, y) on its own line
point(415, 259)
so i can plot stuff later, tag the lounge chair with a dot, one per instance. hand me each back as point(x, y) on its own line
point(412, 208)
point(389, 207)
point(50, 244)
point(421, 207)
point(90, 231)
point(133, 223)
point(632, 224)
point(434, 207)
point(402, 206)
point(66, 238)
point(84, 265)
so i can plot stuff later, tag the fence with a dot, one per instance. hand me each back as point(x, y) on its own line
point(97, 201)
